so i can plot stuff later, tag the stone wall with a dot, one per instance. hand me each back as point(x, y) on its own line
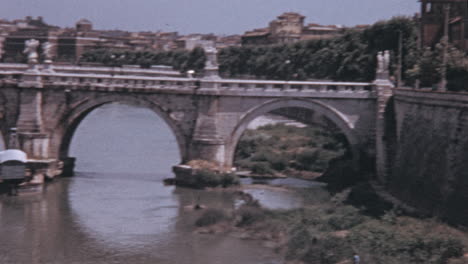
point(430, 158)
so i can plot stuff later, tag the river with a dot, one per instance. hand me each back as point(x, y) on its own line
point(117, 209)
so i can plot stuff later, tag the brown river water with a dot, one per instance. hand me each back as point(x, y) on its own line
point(117, 209)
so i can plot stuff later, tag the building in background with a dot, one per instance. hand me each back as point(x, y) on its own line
point(433, 20)
point(70, 43)
point(288, 28)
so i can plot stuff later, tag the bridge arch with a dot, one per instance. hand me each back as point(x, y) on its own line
point(67, 125)
point(336, 117)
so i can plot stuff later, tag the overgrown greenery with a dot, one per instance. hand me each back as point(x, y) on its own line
point(181, 60)
point(428, 68)
point(350, 57)
point(281, 149)
point(332, 231)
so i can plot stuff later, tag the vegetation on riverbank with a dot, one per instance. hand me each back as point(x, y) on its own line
point(332, 231)
point(201, 174)
point(277, 150)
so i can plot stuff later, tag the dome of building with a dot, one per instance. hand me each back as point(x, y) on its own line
point(84, 21)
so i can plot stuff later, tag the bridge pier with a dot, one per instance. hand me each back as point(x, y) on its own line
point(207, 144)
point(384, 90)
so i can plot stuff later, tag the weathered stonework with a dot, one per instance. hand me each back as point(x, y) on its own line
point(430, 171)
point(207, 116)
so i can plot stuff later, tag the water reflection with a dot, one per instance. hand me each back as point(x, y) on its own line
point(117, 210)
point(123, 212)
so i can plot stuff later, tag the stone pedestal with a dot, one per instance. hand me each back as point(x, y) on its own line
point(36, 145)
point(211, 73)
point(384, 90)
point(32, 78)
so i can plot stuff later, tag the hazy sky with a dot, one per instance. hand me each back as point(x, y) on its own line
point(202, 16)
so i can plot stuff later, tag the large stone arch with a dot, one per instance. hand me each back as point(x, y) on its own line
point(62, 134)
point(340, 120)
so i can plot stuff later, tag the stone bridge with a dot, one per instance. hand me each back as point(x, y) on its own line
point(207, 115)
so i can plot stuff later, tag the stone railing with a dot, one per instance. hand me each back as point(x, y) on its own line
point(107, 82)
point(125, 70)
point(316, 86)
point(430, 97)
point(83, 78)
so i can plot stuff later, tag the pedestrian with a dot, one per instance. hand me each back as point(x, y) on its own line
point(356, 259)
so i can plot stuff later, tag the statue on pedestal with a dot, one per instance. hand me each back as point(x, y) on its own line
point(383, 64)
point(47, 52)
point(380, 62)
point(211, 57)
point(211, 64)
point(31, 50)
point(386, 60)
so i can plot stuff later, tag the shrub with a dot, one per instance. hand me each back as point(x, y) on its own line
point(406, 243)
point(262, 168)
point(249, 214)
point(303, 245)
point(345, 217)
point(210, 217)
point(228, 179)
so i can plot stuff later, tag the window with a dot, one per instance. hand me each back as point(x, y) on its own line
point(428, 8)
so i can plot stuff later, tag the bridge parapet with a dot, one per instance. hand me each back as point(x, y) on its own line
point(321, 86)
point(95, 81)
point(269, 88)
point(155, 71)
point(87, 78)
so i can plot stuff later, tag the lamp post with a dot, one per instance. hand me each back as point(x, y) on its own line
point(287, 62)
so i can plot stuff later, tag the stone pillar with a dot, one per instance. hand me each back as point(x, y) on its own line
point(211, 70)
point(31, 137)
point(384, 91)
point(207, 144)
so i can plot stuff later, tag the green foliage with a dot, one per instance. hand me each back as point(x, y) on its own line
point(345, 217)
point(211, 216)
point(428, 68)
point(405, 242)
point(250, 214)
point(333, 232)
point(261, 168)
point(349, 57)
point(181, 60)
point(274, 149)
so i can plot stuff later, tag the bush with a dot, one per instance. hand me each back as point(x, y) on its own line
point(210, 217)
point(249, 215)
point(345, 217)
point(302, 245)
point(262, 168)
point(406, 242)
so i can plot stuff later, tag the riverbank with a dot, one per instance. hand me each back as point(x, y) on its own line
point(283, 149)
point(333, 230)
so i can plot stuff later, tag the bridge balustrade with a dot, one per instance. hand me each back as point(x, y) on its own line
point(321, 87)
point(86, 78)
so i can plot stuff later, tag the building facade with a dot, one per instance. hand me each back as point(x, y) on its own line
point(288, 28)
point(433, 20)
